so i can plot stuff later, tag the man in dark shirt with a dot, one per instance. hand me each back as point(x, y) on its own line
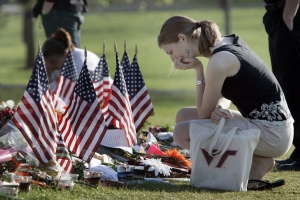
point(65, 14)
point(282, 24)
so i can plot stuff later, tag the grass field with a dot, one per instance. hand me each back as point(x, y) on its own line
point(168, 92)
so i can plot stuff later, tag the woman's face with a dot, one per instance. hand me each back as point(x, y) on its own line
point(176, 50)
point(54, 62)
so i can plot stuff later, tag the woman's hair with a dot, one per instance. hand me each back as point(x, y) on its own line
point(57, 43)
point(207, 32)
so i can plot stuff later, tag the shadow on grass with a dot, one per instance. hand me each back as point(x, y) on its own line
point(13, 92)
point(176, 186)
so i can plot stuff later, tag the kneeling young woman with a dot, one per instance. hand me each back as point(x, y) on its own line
point(234, 74)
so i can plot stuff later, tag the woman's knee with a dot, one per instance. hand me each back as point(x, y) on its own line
point(179, 116)
point(181, 132)
point(186, 114)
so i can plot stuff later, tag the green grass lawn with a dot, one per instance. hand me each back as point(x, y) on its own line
point(169, 89)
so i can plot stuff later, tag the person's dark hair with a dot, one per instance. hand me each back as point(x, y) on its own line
point(58, 43)
point(207, 32)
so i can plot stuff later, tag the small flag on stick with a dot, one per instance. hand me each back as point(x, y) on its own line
point(82, 125)
point(119, 104)
point(140, 101)
point(101, 79)
point(66, 81)
point(35, 116)
point(62, 155)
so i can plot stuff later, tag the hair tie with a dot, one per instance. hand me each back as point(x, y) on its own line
point(198, 25)
point(57, 36)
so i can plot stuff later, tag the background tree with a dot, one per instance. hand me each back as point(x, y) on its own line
point(28, 31)
point(28, 27)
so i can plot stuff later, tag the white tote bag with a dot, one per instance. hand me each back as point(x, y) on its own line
point(221, 155)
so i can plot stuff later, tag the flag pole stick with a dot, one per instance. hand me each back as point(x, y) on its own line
point(136, 50)
point(116, 49)
point(104, 47)
point(39, 47)
point(85, 54)
point(125, 45)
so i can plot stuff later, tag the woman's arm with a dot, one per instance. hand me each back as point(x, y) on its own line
point(223, 103)
point(220, 66)
point(199, 87)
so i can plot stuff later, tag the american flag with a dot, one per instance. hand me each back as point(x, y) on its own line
point(62, 155)
point(66, 81)
point(35, 116)
point(125, 63)
point(101, 80)
point(119, 105)
point(140, 101)
point(82, 125)
point(110, 120)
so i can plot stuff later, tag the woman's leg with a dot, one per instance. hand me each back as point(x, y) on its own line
point(181, 134)
point(186, 114)
point(260, 167)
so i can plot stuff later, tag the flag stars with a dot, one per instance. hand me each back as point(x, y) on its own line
point(69, 68)
point(84, 87)
point(134, 78)
point(38, 83)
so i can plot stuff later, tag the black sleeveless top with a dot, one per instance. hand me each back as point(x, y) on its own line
point(254, 90)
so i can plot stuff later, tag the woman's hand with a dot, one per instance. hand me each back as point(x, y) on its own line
point(218, 113)
point(187, 63)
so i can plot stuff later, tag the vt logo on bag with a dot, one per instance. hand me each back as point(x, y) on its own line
point(209, 158)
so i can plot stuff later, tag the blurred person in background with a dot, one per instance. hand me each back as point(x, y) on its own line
point(282, 24)
point(55, 50)
point(61, 13)
point(236, 74)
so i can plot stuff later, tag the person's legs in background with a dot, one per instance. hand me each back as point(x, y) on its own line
point(284, 46)
point(70, 21)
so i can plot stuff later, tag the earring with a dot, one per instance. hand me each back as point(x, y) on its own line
point(188, 50)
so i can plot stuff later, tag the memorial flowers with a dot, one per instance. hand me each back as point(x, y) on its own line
point(157, 166)
point(7, 110)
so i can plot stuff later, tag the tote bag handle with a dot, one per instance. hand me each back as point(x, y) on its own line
point(226, 141)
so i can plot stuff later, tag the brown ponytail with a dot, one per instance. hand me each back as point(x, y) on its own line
point(209, 35)
point(58, 43)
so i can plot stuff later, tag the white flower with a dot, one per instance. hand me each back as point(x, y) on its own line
point(9, 103)
point(157, 166)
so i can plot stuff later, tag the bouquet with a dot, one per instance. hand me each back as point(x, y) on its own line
point(7, 111)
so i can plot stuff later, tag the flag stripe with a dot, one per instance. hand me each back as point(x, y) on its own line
point(38, 121)
point(124, 118)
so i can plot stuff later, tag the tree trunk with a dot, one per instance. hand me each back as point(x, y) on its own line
point(226, 6)
point(29, 35)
